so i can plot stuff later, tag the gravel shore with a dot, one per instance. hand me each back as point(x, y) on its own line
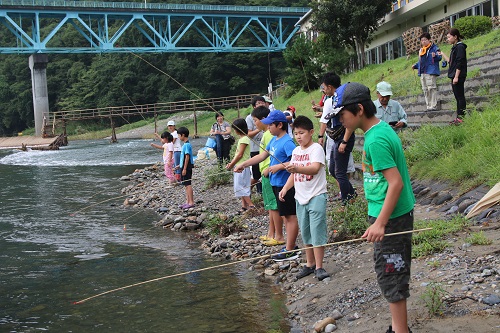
point(469, 276)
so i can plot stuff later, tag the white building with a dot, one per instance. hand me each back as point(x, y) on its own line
point(387, 42)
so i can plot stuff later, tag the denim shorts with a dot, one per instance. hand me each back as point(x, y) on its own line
point(392, 257)
point(312, 220)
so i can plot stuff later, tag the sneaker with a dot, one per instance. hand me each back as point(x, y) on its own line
point(321, 274)
point(282, 256)
point(457, 121)
point(391, 331)
point(305, 271)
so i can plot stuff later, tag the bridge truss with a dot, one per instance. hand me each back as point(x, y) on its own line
point(43, 26)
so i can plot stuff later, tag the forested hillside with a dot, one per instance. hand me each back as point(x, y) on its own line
point(77, 81)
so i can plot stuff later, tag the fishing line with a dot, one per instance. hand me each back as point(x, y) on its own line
point(140, 112)
point(122, 196)
point(98, 203)
point(203, 101)
point(238, 262)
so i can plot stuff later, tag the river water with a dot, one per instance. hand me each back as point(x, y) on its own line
point(60, 244)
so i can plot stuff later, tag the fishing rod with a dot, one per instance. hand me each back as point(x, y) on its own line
point(238, 262)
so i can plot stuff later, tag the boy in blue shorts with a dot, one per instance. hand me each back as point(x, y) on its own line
point(308, 176)
point(186, 166)
point(390, 198)
point(280, 150)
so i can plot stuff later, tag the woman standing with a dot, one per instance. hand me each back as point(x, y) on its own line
point(457, 71)
point(222, 130)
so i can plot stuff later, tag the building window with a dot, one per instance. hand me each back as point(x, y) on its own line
point(445, 9)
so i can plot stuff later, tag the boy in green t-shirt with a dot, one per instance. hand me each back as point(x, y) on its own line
point(275, 231)
point(390, 198)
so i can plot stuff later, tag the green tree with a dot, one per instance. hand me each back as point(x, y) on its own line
point(308, 60)
point(350, 23)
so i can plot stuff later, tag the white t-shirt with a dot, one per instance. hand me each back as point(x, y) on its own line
point(309, 186)
point(254, 142)
point(177, 142)
point(327, 108)
point(290, 129)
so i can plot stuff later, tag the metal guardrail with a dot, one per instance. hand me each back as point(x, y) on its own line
point(209, 104)
point(159, 6)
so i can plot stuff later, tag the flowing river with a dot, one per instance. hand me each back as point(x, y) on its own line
point(60, 243)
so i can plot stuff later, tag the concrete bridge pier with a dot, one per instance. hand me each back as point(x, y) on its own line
point(38, 66)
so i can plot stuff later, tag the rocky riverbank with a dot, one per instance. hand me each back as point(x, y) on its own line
point(465, 277)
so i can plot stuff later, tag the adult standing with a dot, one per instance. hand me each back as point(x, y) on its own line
point(457, 70)
point(428, 70)
point(255, 136)
point(222, 131)
point(388, 109)
point(343, 139)
point(177, 149)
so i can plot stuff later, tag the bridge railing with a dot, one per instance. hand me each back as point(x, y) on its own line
point(208, 104)
point(161, 6)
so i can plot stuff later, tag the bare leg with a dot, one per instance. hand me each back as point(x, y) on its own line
point(292, 230)
point(319, 253)
point(189, 195)
point(399, 316)
point(310, 256)
point(277, 226)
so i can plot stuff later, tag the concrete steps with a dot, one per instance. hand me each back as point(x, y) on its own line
point(482, 83)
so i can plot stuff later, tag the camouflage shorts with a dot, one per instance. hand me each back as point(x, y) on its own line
point(392, 259)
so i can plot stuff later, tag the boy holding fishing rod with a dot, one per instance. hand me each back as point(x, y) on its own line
point(390, 198)
point(274, 234)
point(308, 177)
point(280, 150)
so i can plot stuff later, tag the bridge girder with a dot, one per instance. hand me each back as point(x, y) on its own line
point(34, 28)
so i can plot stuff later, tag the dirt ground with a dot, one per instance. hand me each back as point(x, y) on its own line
point(353, 279)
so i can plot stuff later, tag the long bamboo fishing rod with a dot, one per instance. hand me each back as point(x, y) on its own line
point(238, 262)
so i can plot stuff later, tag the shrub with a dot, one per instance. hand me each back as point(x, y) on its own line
point(433, 299)
point(216, 176)
point(472, 26)
point(352, 222)
point(222, 225)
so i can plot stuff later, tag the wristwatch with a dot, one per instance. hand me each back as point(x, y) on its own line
point(320, 136)
point(343, 141)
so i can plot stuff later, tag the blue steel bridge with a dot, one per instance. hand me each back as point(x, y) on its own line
point(35, 26)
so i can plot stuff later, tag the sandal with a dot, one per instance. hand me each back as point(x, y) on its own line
point(273, 242)
point(265, 238)
point(242, 210)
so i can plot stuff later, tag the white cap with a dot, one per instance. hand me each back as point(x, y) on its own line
point(171, 123)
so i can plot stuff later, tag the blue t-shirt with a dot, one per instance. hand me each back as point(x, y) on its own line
point(281, 151)
point(186, 149)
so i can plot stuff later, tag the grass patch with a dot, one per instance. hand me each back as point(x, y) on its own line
point(221, 225)
point(433, 299)
point(217, 176)
point(478, 238)
point(352, 222)
point(432, 241)
point(467, 154)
